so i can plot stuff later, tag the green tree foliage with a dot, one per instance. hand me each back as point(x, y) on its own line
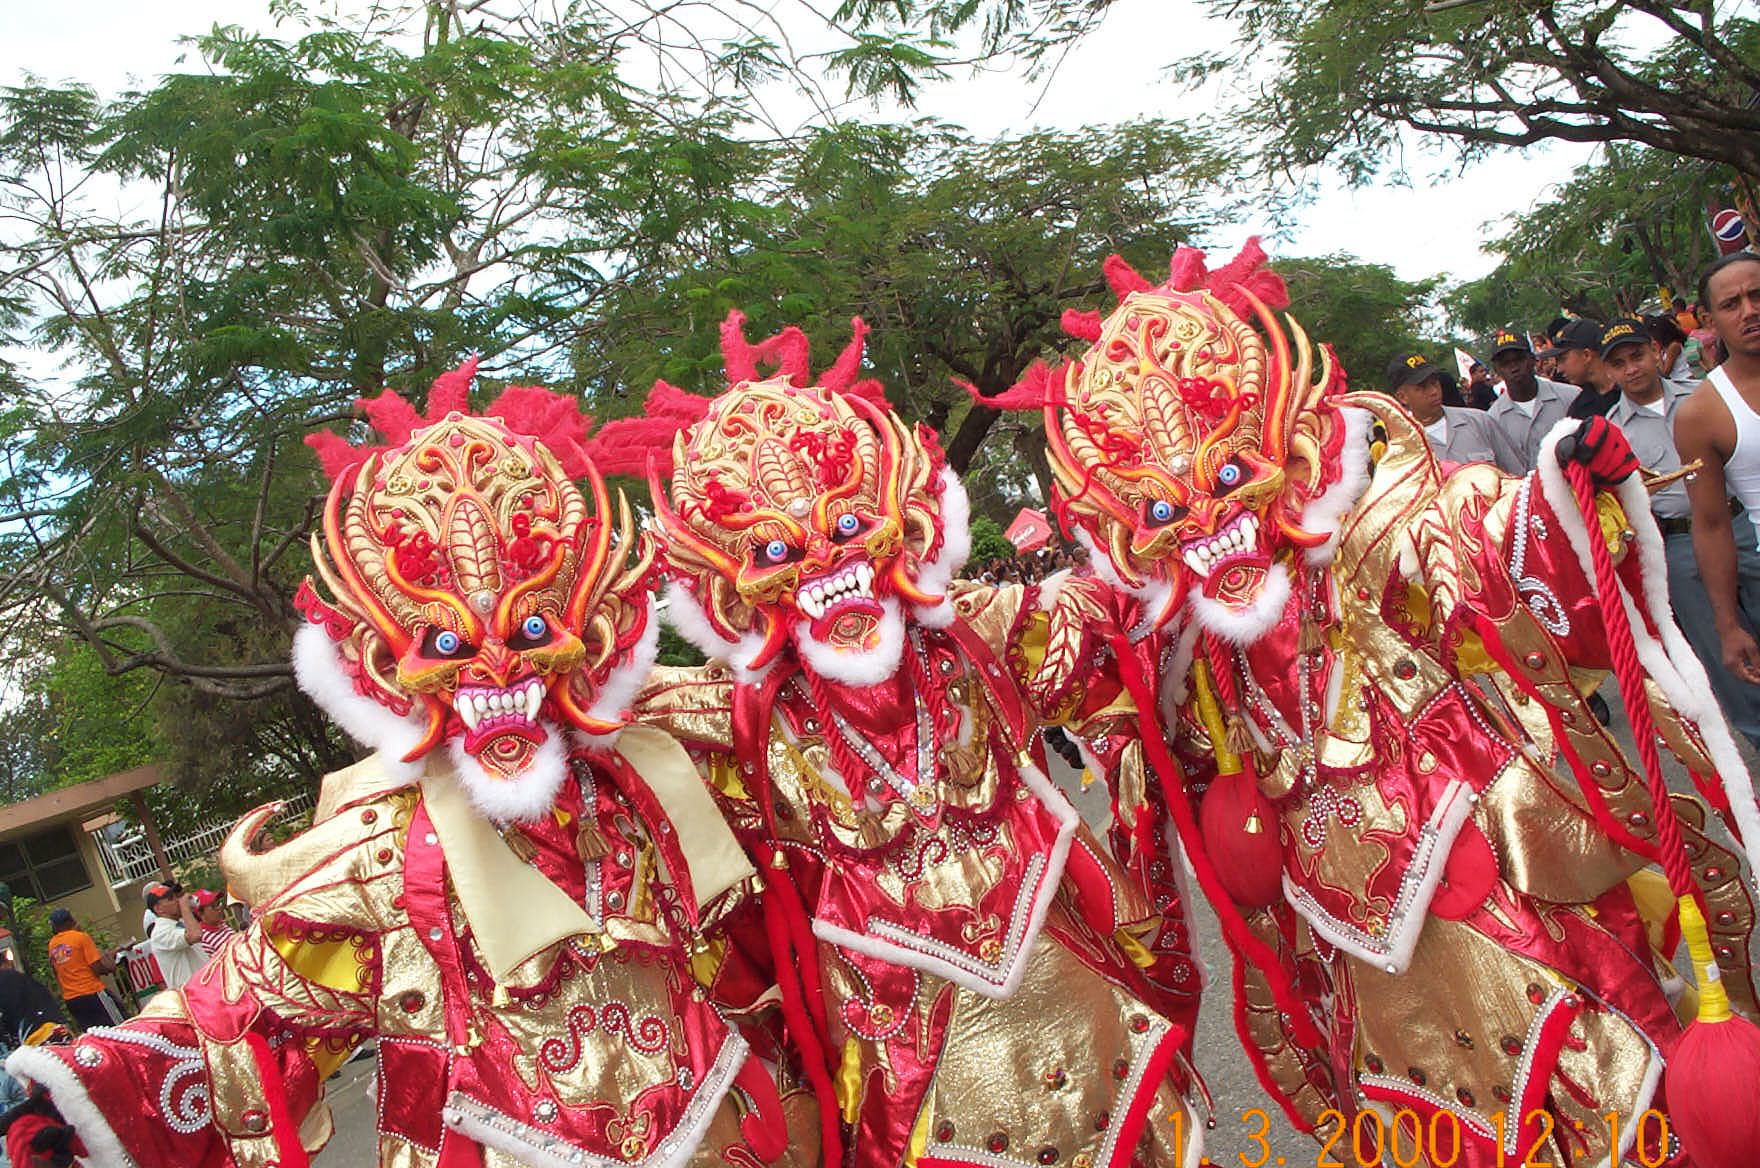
point(960, 254)
point(1365, 312)
point(308, 220)
point(988, 542)
point(317, 215)
point(71, 721)
point(29, 922)
point(1622, 226)
point(1348, 77)
point(1341, 82)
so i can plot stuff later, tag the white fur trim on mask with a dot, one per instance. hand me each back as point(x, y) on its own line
point(685, 614)
point(1245, 627)
point(68, 1093)
point(318, 668)
point(870, 667)
point(1673, 665)
point(1176, 682)
point(626, 680)
point(931, 956)
point(1153, 596)
point(1051, 587)
point(518, 799)
point(1326, 512)
point(934, 576)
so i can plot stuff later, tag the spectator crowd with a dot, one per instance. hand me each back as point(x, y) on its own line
point(1685, 390)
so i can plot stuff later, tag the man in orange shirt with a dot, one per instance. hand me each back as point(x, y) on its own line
point(77, 965)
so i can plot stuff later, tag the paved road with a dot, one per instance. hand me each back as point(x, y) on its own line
point(1242, 1109)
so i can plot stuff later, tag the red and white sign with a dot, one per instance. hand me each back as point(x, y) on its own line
point(1029, 531)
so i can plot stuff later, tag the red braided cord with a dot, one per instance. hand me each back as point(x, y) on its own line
point(1222, 672)
point(1241, 939)
point(1623, 648)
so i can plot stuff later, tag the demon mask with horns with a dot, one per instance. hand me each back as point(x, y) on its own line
point(1192, 451)
point(480, 600)
point(803, 511)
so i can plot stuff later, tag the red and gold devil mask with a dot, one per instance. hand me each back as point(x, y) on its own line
point(480, 599)
point(1188, 445)
point(802, 510)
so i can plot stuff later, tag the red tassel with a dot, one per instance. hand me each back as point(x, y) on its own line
point(1710, 1092)
point(1713, 1073)
point(1239, 827)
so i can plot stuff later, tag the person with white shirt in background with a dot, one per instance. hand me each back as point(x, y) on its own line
point(1720, 427)
point(1646, 410)
point(1528, 405)
point(1456, 433)
point(177, 935)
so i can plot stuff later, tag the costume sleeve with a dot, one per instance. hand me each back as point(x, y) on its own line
point(1503, 566)
point(229, 1069)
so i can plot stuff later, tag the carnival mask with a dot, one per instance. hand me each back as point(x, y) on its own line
point(1188, 446)
point(801, 513)
point(479, 600)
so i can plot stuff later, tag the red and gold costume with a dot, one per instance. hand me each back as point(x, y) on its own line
point(1373, 668)
point(505, 896)
point(969, 976)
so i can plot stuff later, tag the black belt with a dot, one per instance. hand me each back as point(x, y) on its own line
point(1679, 526)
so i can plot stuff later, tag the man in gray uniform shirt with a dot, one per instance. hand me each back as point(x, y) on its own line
point(1456, 433)
point(1646, 411)
point(1530, 405)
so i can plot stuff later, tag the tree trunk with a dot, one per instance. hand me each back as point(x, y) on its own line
point(970, 435)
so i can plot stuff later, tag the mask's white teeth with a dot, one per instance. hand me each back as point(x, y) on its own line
point(466, 711)
point(534, 699)
point(1195, 563)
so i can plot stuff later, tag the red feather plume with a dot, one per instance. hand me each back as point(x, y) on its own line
point(553, 419)
point(626, 446)
point(1038, 387)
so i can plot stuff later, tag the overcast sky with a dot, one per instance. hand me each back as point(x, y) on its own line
point(1118, 73)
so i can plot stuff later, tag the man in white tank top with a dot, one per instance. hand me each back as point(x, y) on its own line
point(1720, 426)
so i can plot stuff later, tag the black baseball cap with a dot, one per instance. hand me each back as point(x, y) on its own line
point(1581, 333)
point(1627, 330)
point(60, 918)
point(1409, 370)
point(1507, 341)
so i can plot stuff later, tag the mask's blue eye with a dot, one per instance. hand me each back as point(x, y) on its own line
point(534, 627)
point(1161, 510)
point(847, 524)
point(776, 551)
point(1229, 475)
point(446, 641)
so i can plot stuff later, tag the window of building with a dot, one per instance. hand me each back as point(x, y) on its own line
point(44, 866)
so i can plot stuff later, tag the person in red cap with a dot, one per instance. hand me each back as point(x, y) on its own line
point(211, 912)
